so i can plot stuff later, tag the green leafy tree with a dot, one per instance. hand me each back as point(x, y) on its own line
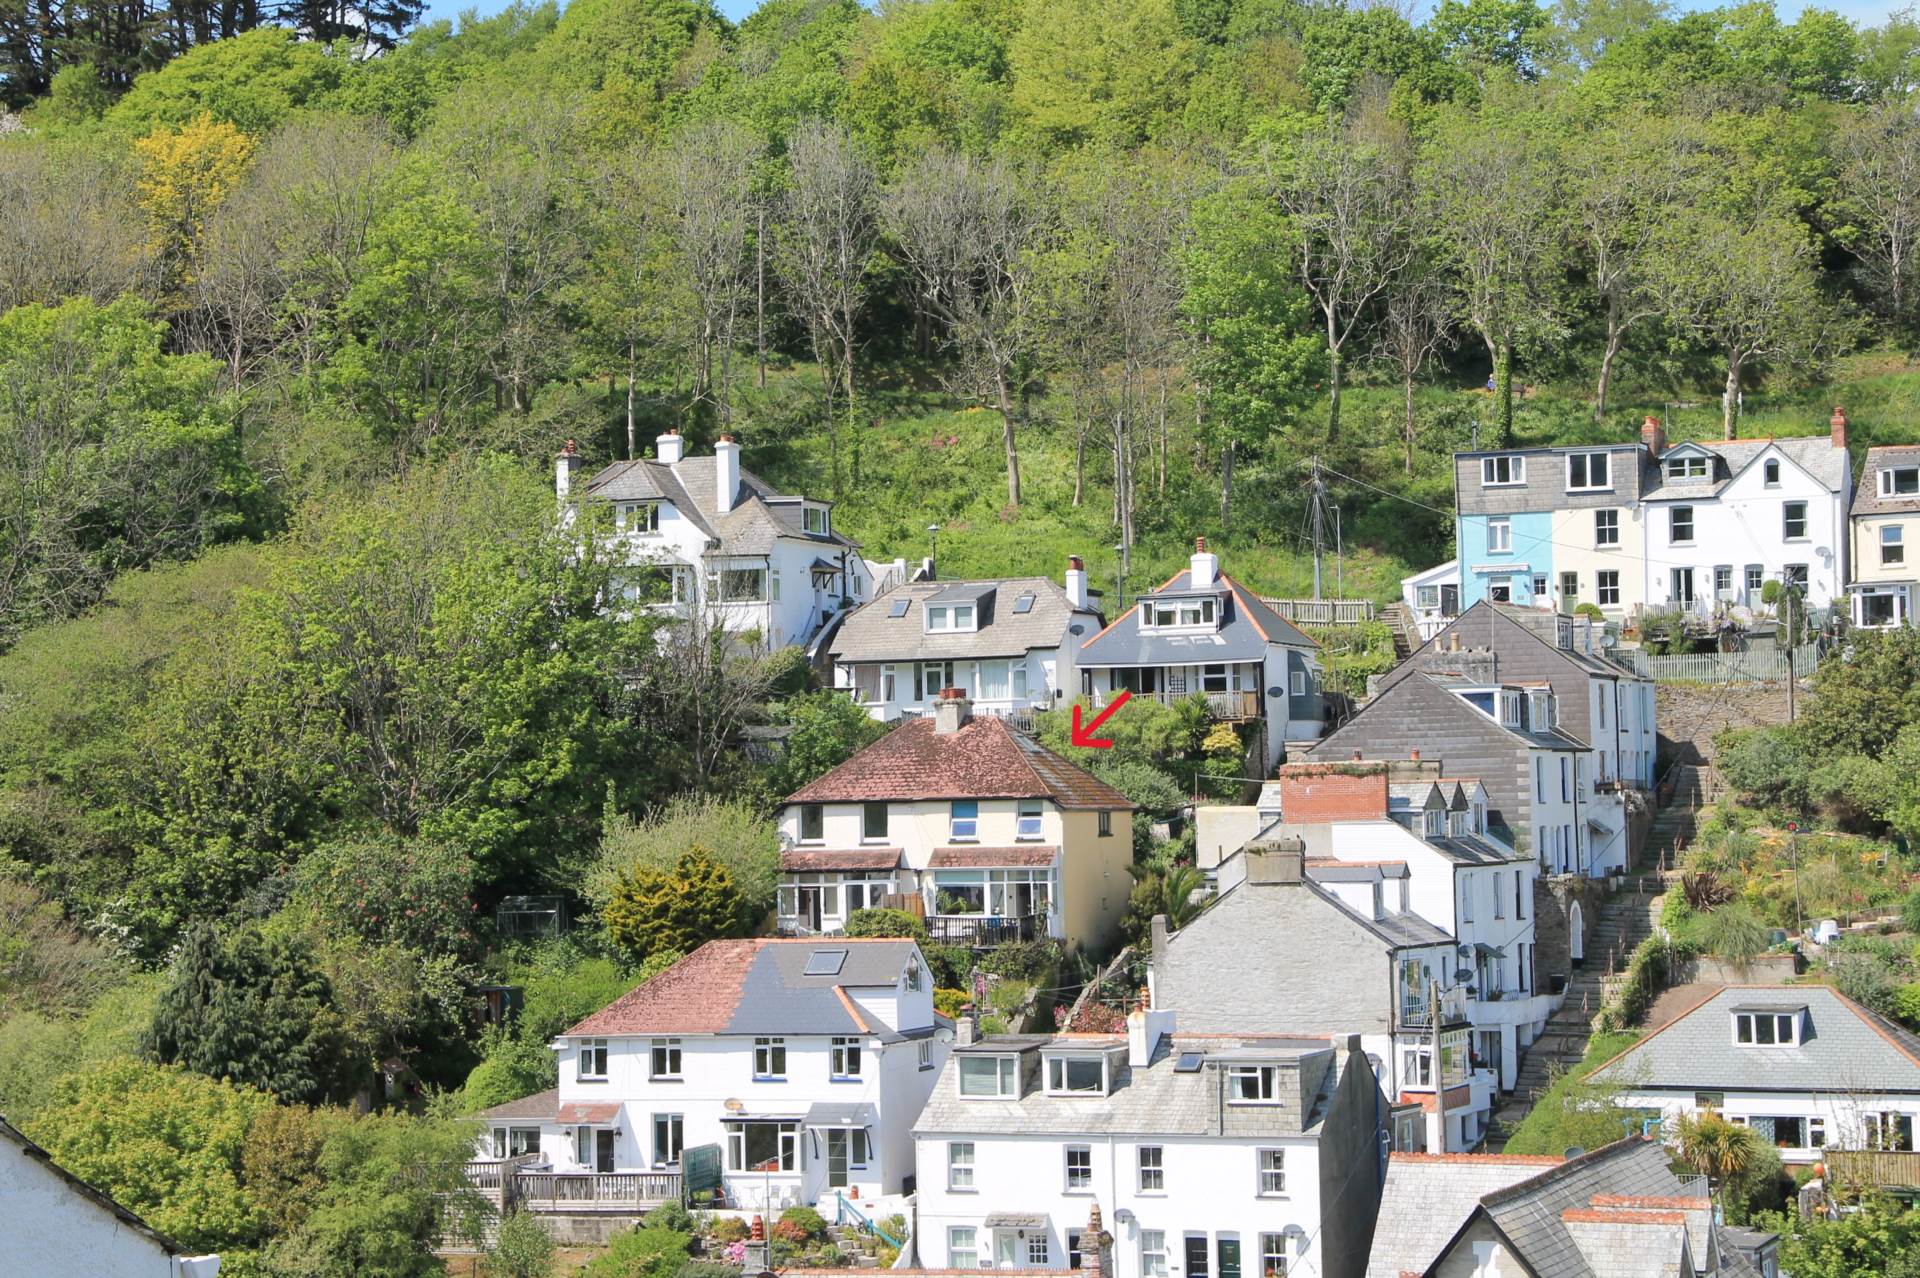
point(1883, 1237)
point(522, 1248)
point(826, 729)
point(653, 910)
point(1716, 1148)
point(255, 1010)
point(254, 82)
point(732, 832)
point(393, 891)
point(1099, 70)
point(1859, 705)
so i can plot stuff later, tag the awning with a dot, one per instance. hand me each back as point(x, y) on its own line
point(842, 1114)
point(589, 1114)
point(1016, 1220)
point(810, 859)
point(825, 565)
point(1598, 826)
point(1483, 950)
point(992, 858)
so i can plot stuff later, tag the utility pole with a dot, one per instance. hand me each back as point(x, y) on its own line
point(1317, 510)
point(1787, 595)
point(1439, 1073)
point(1339, 559)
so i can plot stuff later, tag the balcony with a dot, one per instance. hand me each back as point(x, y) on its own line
point(1414, 1013)
point(1231, 707)
point(506, 1183)
point(984, 932)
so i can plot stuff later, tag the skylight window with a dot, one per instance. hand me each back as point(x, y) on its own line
point(898, 608)
point(826, 962)
point(1024, 604)
point(1189, 1062)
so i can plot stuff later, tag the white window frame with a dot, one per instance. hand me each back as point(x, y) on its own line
point(963, 1250)
point(1587, 484)
point(1153, 1253)
point(1060, 1071)
point(960, 1167)
point(506, 1138)
point(1787, 520)
point(676, 1132)
point(1037, 1254)
point(1499, 535)
point(1006, 1078)
point(1077, 1179)
point(592, 1060)
point(963, 829)
point(1686, 468)
point(1749, 1028)
point(1151, 1164)
point(1262, 1081)
point(664, 1060)
point(1673, 525)
point(1273, 1256)
point(926, 1053)
point(1029, 821)
point(769, 1052)
point(815, 520)
point(1513, 464)
point(1426, 596)
point(844, 1057)
point(1890, 484)
point(1270, 1172)
point(1893, 538)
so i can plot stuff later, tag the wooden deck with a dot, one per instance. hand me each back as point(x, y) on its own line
point(506, 1183)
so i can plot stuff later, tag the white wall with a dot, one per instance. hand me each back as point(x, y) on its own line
point(1843, 1111)
point(50, 1230)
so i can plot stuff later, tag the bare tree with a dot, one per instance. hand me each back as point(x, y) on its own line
point(1347, 195)
point(1415, 323)
point(1879, 170)
point(702, 685)
point(69, 225)
point(707, 176)
point(824, 247)
point(968, 231)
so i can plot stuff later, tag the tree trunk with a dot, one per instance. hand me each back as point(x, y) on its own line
point(1226, 486)
point(1084, 425)
point(1162, 478)
point(760, 291)
point(1333, 386)
point(1007, 437)
point(1409, 428)
point(1730, 397)
point(633, 442)
point(1615, 335)
point(846, 379)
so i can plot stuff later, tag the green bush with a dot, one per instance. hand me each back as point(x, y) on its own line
point(1855, 791)
point(1591, 611)
point(950, 1003)
point(522, 1248)
point(1021, 960)
point(389, 890)
point(729, 1229)
point(887, 923)
point(1733, 933)
point(654, 910)
point(806, 1219)
point(735, 833)
point(1767, 764)
point(645, 1252)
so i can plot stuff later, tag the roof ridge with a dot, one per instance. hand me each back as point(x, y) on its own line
point(1685, 1012)
point(1520, 1189)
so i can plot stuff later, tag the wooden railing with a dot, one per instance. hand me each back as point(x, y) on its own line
point(1323, 612)
point(1880, 1168)
point(1220, 705)
point(595, 1191)
point(491, 1176)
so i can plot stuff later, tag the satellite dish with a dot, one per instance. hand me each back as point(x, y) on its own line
point(732, 1106)
point(1574, 1151)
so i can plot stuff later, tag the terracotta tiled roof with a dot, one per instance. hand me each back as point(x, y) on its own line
point(694, 996)
point(589, 1112)
point(1457, 1098)
point(1030, 854)
point(836, 859)
point(1616, 1216)
point(985, 759)
point(1645, 1202)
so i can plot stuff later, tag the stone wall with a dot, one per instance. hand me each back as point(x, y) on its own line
point(1765, 969)
point(1690, 717)
point(1553, 898)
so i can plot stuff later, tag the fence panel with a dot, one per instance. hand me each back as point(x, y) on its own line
point(1755, 665)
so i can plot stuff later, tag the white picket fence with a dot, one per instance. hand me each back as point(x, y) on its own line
point(1757, 665)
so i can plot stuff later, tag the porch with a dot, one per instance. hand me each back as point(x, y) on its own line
point(1231, 707)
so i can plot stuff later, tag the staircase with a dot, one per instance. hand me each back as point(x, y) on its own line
point(1400, 620)
point(1676, 825)
point(1629, 918)
point(861, 1248)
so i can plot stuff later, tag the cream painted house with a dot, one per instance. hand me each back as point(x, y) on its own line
point(989, 835)
point(1886, 538)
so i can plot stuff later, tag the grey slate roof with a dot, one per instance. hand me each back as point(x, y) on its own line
point(750, 528)
point(540, 1106)
point(1154, 1101)
point(1247, 627)
point(1428, 1196)
point(1471, 849)
point(1868, 501)
point(1845, 1048)
point(871, 633)
point(1529, 1212)
point(1814, 454)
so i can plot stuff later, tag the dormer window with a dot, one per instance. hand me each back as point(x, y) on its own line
point(637, 516)
point(1542, 709)
point(1499, 472)
point(1457, 823)
point(1077, 1075)
point(1172, 614)
point(1253, 1084)
point(1761, 1028)
point(1900, 481)
point(1510, 712)
point(989, 1077)
point(1588, 471)
point(814, 519)
point(1431, 823)
point(913, 978)
point(1687, 467)
point(949, 618)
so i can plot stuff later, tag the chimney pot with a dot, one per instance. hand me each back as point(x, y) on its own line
point(1200, 543)
point(1654, 435)
point(1838, 424)
point(565, 467)
point(1416, 756)
point(1357, 756)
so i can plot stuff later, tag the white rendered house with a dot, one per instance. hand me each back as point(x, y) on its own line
point(1432, 598)
point(705, 534)
point(1204, 1156)
point(799, 1065)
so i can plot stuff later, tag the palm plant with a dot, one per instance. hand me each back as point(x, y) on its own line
point(1716, 1148)
point(1180, 899)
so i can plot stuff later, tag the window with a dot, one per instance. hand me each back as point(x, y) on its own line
point(1680, 524)
point(1893, 547)
point(1587, 471)
point(769, 1058)
point(1689, 467)
point(1106, 823)
point(1793, 520)
point(640, 517)
point(1900, 481)
point(1771, 472)
point(1416, 1067)
point(846, 1057)
point(987, 1076)
point(1073, 1248)
point(815, 520)
point(669, 1138)
point(1500, 590)
point(1272, 1164)
point(964, 825)
point(1079, 1167)
point(947, 617)
point(926, 1054)
point(912, 976)
point(1426, 596)
point(813, 823)
point(738, 585)
point(1466, 901)
point(1765, 1029)
point(1497, 472)
point(1606, 527)
point(1890, 1130)
point(763, 1147)
point(1273, 1256)
point(1037, 1251)
point(511, 1142)
point(961, 1253)
point(1499, 536)
point(960, 1165)
point(1153, 1169)
point(1299, 683)
point(1566, 779)
point(873, 821)
point(665, 1058)
point(1153, 1253)
point(1606, 587)
point(1756, 578)
point(1077, 1075)
point(1028, 827)
point(583, 1147)
point(1794, 575)
point(1252, 1084)
point(593, 1058)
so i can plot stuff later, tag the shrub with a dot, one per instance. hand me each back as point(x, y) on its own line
point(652, 910)
point(887, 923)
point(1591, 611)
point(1767, 764)
point(1733, 933)
point(790, 1232)
point(825, 729)
point(640, 1253)
point(522, 1248)
point(730, 1229)
point(950, 1003)
point(390, 890)
point(515, 1065)
point(831, 1257)
point(736, 834)
point(811, 1224)
point(952, 965)
point(1021, 960)
point(1906, 1005)
point(1854, 790)
point(670, 1215)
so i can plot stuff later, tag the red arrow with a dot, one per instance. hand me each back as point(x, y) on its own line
point(1084, 736)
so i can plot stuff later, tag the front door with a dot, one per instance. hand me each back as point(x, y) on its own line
point(1196, 1256)
point(1569, 590)
point(1229, 1252)
point(1006, 1249)
point(810, 914)
point(603, 1151)
point(838, 1139)
point(1449, 601)
point(1683, 587)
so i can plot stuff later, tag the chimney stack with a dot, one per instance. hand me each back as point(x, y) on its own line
point(1145, 1029)
point(1076, 582)
point(1654, 436)
point(565, 466)
point(1094, 1260)
point(1838, 424)
point(726, 473)
point(966, 1027)
point(1277, 861)
point(1205, 565)
point(952, 711)
point(670, 447)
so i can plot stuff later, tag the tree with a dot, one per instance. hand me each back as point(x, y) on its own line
point(706, 178)
point(256, 1011)
point(67, 225)
point(1744, 288)
point(825, 241)
point(1349, 200)
point(967, 232)
point(1415, 323)
point(1110, 71)
point(1882, 1237)
point(826, 728)
point(522, 1248)
point(733, 831)
point(387, 890)
point(650, 910)
point(185, 174)
point(1716, 1148)
point(1878, 154)
point(165, 1143)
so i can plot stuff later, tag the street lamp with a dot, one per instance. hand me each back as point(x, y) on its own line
point(933, 546)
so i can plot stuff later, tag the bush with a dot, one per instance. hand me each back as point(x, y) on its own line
point(652, 910)
point(1767, 764)
point(393, 891)
point(1591, 611)
point(522, 1248)
point(730, 1229)
point(825, 729)
point(790, 1232)
point(887, 923)
point(950, 1003)
point(671, 1215)
point(1906, 1005)
point(736, 834)
point(1855, 791)
point(811, 1223)
point(640, 1253)
point(952, 965)
point(1733, 933)
point(515, 1065)
point(1021, 960)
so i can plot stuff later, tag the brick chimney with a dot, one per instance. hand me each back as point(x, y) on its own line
point(952, 711)
point(1205, 566)
point(726, 473)
point(1076, 582)
point(1653, 435)
point(1317, 793)
point(1094, 1260)
point(670, 447)
point(1277, 861)
point(1838, 424)
point(565, 467)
